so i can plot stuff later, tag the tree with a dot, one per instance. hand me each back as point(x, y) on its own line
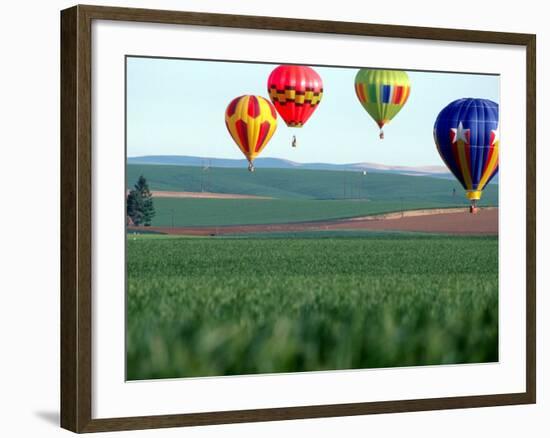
point(139, 203)
point(134, 207)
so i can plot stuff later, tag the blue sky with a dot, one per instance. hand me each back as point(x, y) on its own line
point(176, 107)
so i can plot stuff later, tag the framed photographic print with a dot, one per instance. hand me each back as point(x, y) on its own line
point(270, 218)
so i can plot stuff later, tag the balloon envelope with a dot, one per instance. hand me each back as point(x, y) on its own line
point(382, 93)
point(251, 122)
point(466, 136)
point(296, 91)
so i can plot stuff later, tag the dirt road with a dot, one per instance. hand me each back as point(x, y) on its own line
point(455, 221)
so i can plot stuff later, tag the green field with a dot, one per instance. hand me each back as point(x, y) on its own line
point(196, 212)
point(300, 195)
point(287, 302)
point(303, 184)
point(225, 306)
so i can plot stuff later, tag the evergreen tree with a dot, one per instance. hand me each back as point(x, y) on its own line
point(139, 203)
point(133, 207)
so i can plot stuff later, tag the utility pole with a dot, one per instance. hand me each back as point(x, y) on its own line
point(204, 175)
point(364, 184)
point(209, 187)
point(344, 186)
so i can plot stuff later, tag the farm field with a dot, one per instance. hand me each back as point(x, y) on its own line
point(297, 195)
point(302, 302)
point(453, 221)
point(304, 184)
point(212, 212)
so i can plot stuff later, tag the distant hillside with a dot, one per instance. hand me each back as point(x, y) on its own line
point(278, 163)
point(305, 184)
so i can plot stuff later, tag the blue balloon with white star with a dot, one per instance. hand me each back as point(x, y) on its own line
point(466, 136)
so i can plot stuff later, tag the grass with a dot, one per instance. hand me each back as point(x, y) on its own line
point(223, 306)
point(196, 212)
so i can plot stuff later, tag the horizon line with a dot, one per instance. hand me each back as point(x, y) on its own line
point(291, 161)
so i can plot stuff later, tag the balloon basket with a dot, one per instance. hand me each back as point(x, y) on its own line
point(381, 135)
point(473, 196)
point(251, 167)
point(473, 207)
point(293, 143)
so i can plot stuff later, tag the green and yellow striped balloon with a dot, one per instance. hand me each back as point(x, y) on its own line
point(382, 93)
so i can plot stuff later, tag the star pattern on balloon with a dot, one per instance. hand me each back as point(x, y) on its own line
point(460, 134)
point(495, 136)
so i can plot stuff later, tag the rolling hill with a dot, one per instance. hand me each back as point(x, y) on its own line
point(298, 194)
point(278, 163)
point(305, 184)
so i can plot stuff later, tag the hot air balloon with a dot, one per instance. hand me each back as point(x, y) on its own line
point(251, 121)
point(382, 93)
point(467, 138)
point(296, 91)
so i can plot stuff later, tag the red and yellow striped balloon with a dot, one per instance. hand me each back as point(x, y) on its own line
point(251, 121)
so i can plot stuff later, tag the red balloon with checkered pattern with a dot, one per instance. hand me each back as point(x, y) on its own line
point(296, 91)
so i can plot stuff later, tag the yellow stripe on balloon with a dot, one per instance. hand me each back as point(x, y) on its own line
point(241, 113)
point(491, 166)
point(254, 127)
point(252, 130)
point(460, 145)
point(405, 95)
